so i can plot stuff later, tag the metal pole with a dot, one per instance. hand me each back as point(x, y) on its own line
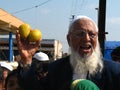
point(101, 23)
point(10, 47)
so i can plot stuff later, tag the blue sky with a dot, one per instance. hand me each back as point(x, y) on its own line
point(52, 17)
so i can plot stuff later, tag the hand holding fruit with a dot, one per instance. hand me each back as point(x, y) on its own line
point(24, 36)
point(27, 33)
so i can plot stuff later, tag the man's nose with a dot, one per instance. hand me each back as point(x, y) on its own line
point(86, 37)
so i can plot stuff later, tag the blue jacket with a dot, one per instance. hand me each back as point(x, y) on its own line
point(60, 75)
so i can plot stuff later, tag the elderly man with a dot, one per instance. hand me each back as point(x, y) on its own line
point(84, 62)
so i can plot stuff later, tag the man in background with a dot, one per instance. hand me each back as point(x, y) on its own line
point(115, 54)
point(5, 68)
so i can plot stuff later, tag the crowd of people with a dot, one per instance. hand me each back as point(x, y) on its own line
point(85, 61)
point(11, 78)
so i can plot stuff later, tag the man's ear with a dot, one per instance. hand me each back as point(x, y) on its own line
point(68, 39)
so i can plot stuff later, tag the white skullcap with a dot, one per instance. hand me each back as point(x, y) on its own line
point(14, 64)
point(41, 56)
point(80, 17)
point(6, 65)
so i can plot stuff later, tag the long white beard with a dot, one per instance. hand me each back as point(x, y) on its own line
point(82, 66)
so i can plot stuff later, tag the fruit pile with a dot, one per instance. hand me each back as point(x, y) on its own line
point(32, 35)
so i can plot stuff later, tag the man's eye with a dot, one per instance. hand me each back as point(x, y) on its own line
point(92, 35)
point(80, 34)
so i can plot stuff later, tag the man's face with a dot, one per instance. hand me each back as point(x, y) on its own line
point(83, 37)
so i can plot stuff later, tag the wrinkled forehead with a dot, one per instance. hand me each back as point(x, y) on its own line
point(82, 21)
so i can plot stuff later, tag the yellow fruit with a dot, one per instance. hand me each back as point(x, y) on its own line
point(24, 30)
point(35, 35)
